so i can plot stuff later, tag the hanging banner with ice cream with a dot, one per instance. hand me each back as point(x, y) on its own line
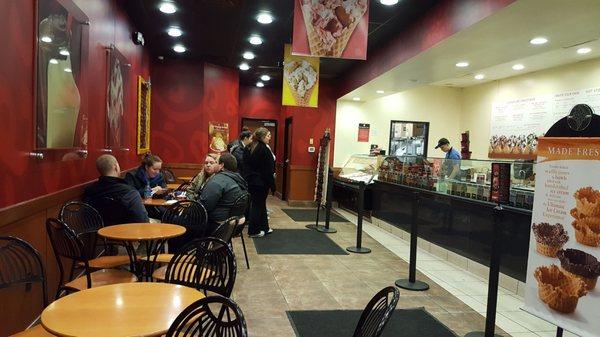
point(300, 80)
point(564, 249)
point(218, 137)
point(331, 28)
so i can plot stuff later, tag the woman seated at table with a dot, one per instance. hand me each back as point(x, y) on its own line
point(197, 184)
point(148, 175)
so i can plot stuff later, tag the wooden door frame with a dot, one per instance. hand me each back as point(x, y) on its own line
point(287, 133)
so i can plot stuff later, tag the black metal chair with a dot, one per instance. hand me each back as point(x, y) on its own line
point(21, 264)
point(85, 221)
point(189, 214)
point(206, 264)
point(212, 316)
point(66, 244)
point(225, 230)
point(168, 175)
point(239, 210)
point(377, 313)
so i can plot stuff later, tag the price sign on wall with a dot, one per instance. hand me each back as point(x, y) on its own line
point(363, 132)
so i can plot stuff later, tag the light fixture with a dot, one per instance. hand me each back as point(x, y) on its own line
point(68, 70)
point(53, 61)
point(248, 55)
point(260, 84)
point(388, 2)
point(167, 8)
point(518, 66)
point(174, 32)
point(179, 48)
point(64, 52)
point(584, 50)
point(265, 18)
point(356, 99)
point(479, 76)
point(46, 39)
point(244, 66)
point(265, 77)
point(462, 64)
point(538, 40)
point(380, 92)
point(255, 40)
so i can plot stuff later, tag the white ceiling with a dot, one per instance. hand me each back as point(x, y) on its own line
point(496, 43)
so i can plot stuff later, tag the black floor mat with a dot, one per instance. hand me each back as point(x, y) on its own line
point(297, 241)
point(299, 214)
point(334, 323)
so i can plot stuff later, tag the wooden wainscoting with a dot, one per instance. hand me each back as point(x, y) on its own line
point(184, 169)
point(302, 184)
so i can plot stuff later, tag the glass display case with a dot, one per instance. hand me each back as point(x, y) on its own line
point(360, 167)
point(468, 178)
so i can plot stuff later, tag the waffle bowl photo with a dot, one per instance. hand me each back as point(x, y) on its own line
point(587, 228)
point(549, 239)
point(330, 24)
point(558, 290)
point(587, 202)
point(581, 265)
point(302, 79)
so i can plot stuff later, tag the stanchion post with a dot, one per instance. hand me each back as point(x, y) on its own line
point(559, 332)
point(411, 283)
point(329, 195)
point(360, 204)
point(492, 298)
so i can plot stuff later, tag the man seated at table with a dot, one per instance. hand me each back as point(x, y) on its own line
point(114, 199)
point(222, 190)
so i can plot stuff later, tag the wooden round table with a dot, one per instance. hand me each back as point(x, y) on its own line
point(173, 186)
point(126, 309)
point(158, 202)
point(185, 179)
point(152, 235)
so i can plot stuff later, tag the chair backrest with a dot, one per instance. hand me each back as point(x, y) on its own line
point(240, 205)
point(85, 221)
point(225, 230)
point(20, 263)
point(113, 211)
point(211, 316)
point(65, 243)
point(207, 264)
point(168, 175)
point(183, 187)
point(377, 313)
point(188, 213)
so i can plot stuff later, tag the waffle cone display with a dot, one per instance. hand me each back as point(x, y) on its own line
point(558, 290)
point(588, 202)
point(549, 238)
point(581, 265)
point(301, 100)
point(587, 232)
point(590, 283)
point(546, 250)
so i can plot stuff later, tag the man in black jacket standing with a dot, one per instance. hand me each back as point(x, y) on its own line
point(116, 201)
point(237, 149)
point(222, 190)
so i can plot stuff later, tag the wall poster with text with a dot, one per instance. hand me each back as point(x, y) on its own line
point(363, 132)
point(300, 80)
point(564, 249)
point(218, 137)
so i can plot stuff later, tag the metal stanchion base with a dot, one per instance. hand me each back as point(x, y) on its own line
point(324, 229)
point(414, 286)
point(478, 334)
point(358, 250)
point(311, 226)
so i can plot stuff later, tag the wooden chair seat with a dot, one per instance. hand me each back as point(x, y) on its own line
point(101, 278)
point(164, 258)
point(109, 261)
point(34, 331)
point(160, 273)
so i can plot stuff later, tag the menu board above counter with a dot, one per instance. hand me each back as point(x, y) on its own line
point(516, 124)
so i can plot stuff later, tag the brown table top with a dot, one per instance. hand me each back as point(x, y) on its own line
point(186, 179)
point(158, 202)
point(126, 309)
point(172, 186)
point(141, 231)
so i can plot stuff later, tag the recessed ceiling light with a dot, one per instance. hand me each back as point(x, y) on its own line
point(538, 40)
point(518, 66)
point(244, 66)
point(388, 2)
point(479, 76)
point(46, 39)
point(380, 92)
point(265, 18)
point(64, 52)
point(167, 8)
point(68, 70)
point(160, 57)
point(265, 77)
point(584, 50)
point(255, 40)
point(462, 64)
point(179, 48)
point(248, 55)
point(260, 84)
point(356, 99)
point(174, 32)
point(53, 61)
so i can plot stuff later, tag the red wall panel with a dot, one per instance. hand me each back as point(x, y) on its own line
point(24, 178)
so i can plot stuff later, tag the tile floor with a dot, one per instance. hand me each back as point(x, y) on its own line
point(277, 283)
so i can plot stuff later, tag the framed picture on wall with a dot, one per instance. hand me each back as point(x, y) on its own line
point(143, 120)
point(61, 57)
point(116, 98)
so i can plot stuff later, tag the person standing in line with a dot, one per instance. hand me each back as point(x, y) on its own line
point(259, 166)
point(237, 150)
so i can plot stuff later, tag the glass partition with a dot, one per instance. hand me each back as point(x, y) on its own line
point(360, 167)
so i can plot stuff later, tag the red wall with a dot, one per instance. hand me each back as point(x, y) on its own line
point(24, 178)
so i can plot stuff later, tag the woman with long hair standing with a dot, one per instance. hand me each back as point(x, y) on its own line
point(259, 167)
